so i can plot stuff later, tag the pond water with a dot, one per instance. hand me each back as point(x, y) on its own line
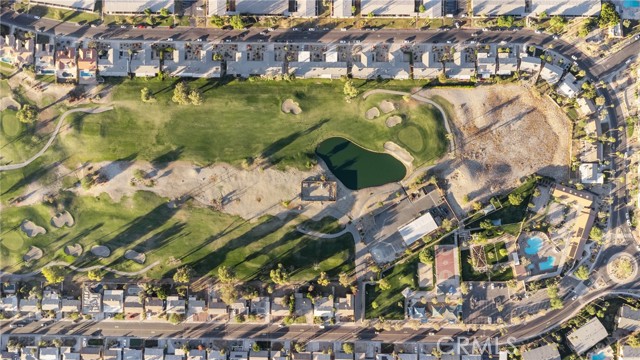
point(358, 168)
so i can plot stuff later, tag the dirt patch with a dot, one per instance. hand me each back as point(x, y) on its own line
point(291, 107)
point(393, 121)
point(34, 253)
point(502, 133)
point(400, 153)
point(8, 102)
point(62, 219)
point(31, 229)
point(372, 113)
point(387, 106)
point(135, 256)
point(73, 250)
point(100, 251)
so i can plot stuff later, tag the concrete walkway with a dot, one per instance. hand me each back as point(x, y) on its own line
point(78, 269)
point(322, 235)
point(53, 136)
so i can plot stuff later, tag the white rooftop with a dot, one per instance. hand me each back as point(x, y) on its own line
point(498, 7)
point(387, 7)
point(88, 5)
point(262, 7)
point(566, 7)
point(136, 6)
point(418, 228)
point(587, 336)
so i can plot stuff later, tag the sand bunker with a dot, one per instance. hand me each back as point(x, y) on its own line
point(8, 102)
point(100, 251)
point(387, 106)
point(73, 250)
point(135, 256)
point(62, 219)
point(291, 107)
point(393, 121)
point(34, 253)
point(400, 153)
point(31, 229)
point(372, 113)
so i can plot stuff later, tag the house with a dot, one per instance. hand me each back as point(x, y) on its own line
point(28, 305)
point(66, 65)
point(629, 353)
point(9, 355)
point(495, 8)
point(389, 8)
point(320, 356)
point(79, 5)
point(551, 73)
point(427, 66)
point(460, 68)
point(565, 7)
point(547, 352)
point(262, 7)
point(530, 64)
point(261, 307)
point(50, 301)
point(239, 355)
point(586, 107)
point(175, 305)
point(341, 9)
point(71, 306)
point(386, 61)
point(330, 66)
point(141, 63)
point(447, 269)
point(197, 310)
point(303, 306)
point(239, 307)
point(131, 354)
point(345, 308)
point(323, 307)
point(29, 353)
point(279, 355)
point(153, 306)
point(113, 301)
point(583, 202)
point(569, 87)
point(218, 309)
point(507, 63)
point(259, 355)
point(195, 354)
point(587, 336)
point(112, 354)
point(8, 288)
point(135, 7)
point(113, 62)
point(486, 64)
point(255, 59)
point(133, 307)
point(280, 307)
point(44, 61)
point(628, 318)
point(418, 228)
point(16, 52)
point(174, 357)
point(68, 354)
point(153, 354)
point(9, 303)
point(194, 60)
point(87, 65)
point(49, 353)
point(444, 312)
point(216, 355)
point(418, 311)
point(91, 353)
point(590, 173)
point(406, 356)
point(432, 8)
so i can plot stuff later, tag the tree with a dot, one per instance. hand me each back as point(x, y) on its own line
point(228, 294)
point(176, 319)
point(236, 22)
point(53, 274)
point(634, 340)
point(299, 347)
point(181, 94)
point(582, 272)
point(27, 114)
point(183, 274)
point(347, 348)
point(558, 22)
point(600, 100)
point(323, 280)
point(608, 15)
point(58, 14)
point(426, 257)
point(543, 15)
point(464, 288)
point(95, 275)
point(595, 233)
point(626, 23)
point(588, 90)
point(353, 10)
point(515, 199)
point(217, 21)
point(196, 97)
point(164, 12)
point(505, 21)
point(384, 284)
point(421, 9)
point(349, 90)
point(145, 94)
point(344, 279)
point(226, 274)
point(147, 12)
point(279, 275)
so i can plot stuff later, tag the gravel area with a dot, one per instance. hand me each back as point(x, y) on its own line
point(100, 251)
point(387, 106)
point(73, 250)
point(135, 256)
point(393, 121)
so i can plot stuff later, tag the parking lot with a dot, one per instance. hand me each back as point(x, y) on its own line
point(481, 305)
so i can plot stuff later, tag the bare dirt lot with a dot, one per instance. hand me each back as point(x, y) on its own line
point(502, 133)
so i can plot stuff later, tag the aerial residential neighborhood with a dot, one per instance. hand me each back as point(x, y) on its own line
point(319, 180)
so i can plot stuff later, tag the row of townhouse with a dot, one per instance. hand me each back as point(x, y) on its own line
point(107, 303)
point(343, 8)
point(11, 303)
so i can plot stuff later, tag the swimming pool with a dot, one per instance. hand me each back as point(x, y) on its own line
point(6, 60)
point(86, 73)
point(631, 3)
point(534, 244)
point(47, 72)
point(599, 356)
point(547, 264)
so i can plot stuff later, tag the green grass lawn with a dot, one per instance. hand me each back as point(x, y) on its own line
point(201, 238)
point(470, 274)
point(240, 120)
point(391, 302)
point(495, 250)
point(64, 15)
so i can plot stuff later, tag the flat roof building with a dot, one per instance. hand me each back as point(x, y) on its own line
point(585, 216)
point(388, 7)
point(628, 318)
point(498, 7)
point(547, 352)
point(132, 7)
point(81, 5)
point(551, 73)
point(341, 8)
point(262, 7)
point(569, 87)
point(587, 336)
point(418, 228)
point(566, 7)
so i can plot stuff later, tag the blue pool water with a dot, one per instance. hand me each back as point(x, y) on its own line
point(547, 264)
point(631, 3)
point(599, 356)
point(86, 73)
point(47, 72)
point(534, 244)
point(5, 60)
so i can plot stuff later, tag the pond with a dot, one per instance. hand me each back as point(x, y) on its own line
point(358, 168)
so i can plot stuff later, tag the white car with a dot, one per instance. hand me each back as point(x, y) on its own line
point(574, 57)
point(36, 17)
point(199, 8)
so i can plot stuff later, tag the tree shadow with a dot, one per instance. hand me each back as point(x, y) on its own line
point(161, 161)
point(278, 145)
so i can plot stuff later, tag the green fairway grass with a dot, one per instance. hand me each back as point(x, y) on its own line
point(199, 237)
point(391, 302)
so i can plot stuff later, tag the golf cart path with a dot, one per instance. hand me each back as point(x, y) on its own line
point(78, 269)
point(53, 136)
point(322, 235)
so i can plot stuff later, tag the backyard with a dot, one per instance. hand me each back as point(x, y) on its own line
point(390, 303)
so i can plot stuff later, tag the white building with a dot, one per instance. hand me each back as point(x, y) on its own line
point(551, 73)
point(388, 7)
point(566, 7)
point(498, 7)
point(569, 86)
point(133, 7)
point(80, 5)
